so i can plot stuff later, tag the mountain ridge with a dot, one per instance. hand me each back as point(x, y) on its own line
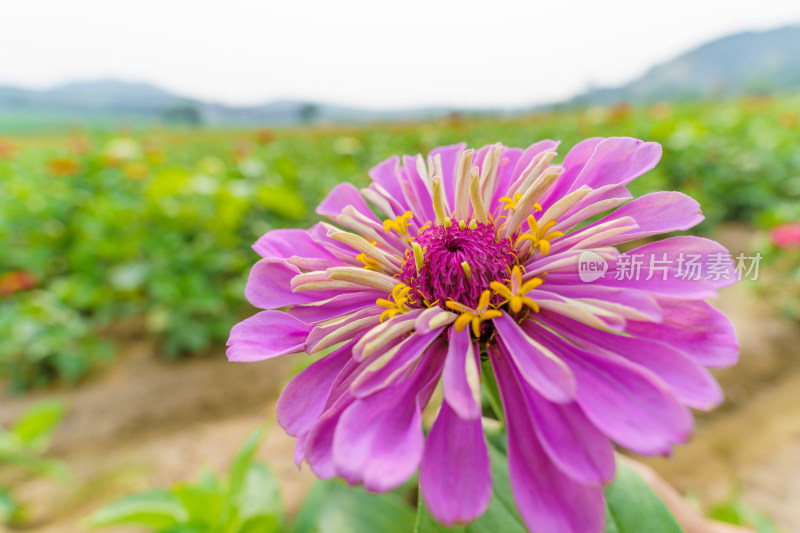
point(751, 61)
point(748, 62)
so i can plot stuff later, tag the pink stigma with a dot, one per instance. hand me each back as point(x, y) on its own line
point(442, 276)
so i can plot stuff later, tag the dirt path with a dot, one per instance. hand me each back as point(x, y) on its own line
point(149, 423)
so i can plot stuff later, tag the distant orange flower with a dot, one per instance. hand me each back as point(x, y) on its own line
point(110, 161)
point(661, 111)
point(241, 151)
point(455, 120)
point(757, 102)
point(136, 170)
point(7, 148)
point(620, 111)
point(64, 166)
point(265, 136)
point(16, 281)
point(789, 120)
point(79, 144)
point(153, 152)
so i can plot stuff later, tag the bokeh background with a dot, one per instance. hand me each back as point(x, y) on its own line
point(145, 146)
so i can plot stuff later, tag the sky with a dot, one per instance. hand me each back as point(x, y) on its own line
point(369, 54)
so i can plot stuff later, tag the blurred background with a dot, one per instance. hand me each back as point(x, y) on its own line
point(144, 146)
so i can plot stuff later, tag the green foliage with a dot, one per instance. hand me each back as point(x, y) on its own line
point(248, 499)
point(158, 224)
point(738, 513)
point(332, 507)
point(249, 502)
point(21, 449)
point(632, 507)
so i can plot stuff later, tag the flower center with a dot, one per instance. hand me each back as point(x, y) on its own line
point(457, 263)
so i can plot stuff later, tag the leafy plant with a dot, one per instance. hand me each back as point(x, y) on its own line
point(248, 501)
point(21, 449)
point(736, 512)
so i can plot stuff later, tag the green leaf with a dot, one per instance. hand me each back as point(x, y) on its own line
point(37, 424)
point(355, 510)
point(282, 201)
point(9, 510)
point(306, 518)
point(738, 513)
point(260, 496)
point(203, 505)
point(632, 506)
point(36, 465)
point(260, 524)
point(241, 464)
point(332, 507)
point(159, 510)
point(490, 389)
point(208, 480)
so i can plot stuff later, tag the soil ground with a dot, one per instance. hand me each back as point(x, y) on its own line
point(147, 422)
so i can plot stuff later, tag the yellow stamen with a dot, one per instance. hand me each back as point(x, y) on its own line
point(447, 222)
point(473, 224)
point(369, 263)
point(400, 303)
point(419, 258)
point(516, 292)
point(540, 236)
point(462, 224)
point(467, 270)
point(510, 203)
point(400, 225)
point(474, 317)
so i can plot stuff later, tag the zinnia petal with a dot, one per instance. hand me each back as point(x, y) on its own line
point(631, 407)
point(269, 286)
point(540, 368)
point(455, 476)
point(265, 335)
point(695, 328)
point(303, 399)
point(379, 439)
point(461, 376)
point(547, 499)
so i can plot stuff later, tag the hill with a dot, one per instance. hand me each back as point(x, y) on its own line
point(109, 100)
point(746, 63)
point(751, 62)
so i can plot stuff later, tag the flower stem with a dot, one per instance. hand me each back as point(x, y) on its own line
point(490, 386)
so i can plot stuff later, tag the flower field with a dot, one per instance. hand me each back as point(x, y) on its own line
point(156, 225)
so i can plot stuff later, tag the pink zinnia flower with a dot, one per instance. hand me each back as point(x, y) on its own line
point(468, 258)
point(786, 236)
